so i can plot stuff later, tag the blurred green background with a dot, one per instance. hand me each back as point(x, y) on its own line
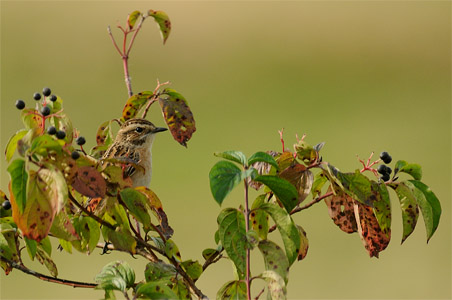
point(361, 76)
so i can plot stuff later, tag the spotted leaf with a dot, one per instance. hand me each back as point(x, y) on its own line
point(274, 258)
point(104, 135)
point(177, 115)
point(32, 119)
point(89, 182)
point(301, 178)
point(373, 238)
point(341, 211)
point(155, 290)
point(304, 243)
point(259, 218)
point(408, 205)
point(163, 21)
point(134, 104)
point(233, 290)
point(132, 18)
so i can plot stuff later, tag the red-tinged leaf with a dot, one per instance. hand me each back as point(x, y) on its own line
point(373, 238)
point(89, 182)
point(104, 135)
point(156, 206)
point(304, 243)
point(62, 122)
point(285, 160)
point(341, 211)
point(32, 119)
point(163, 21)
point(134, 104)
point(177, 115)
point(301, 178)
point(62, 228)
point(41, 206)
point(132, 18)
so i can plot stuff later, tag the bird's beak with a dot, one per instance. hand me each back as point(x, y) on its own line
point(159, 129)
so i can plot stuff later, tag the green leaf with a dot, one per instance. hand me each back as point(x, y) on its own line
point(235, 156)
point(262, 157)
point(62, 122)
point(19, 179)
point(136, 203)
point(116, 275)
point(104, 135)
point(209, 252)
point(304, 243)
point(232, 290)
point(434, 204)
point(46, 245)
point(382, 207)
point(259, 218)
point(232, 234)
point(357, 186)
point(12, 143)
point(192, 268)
point(177, 115)
point(62, 227)
point(156, 271)
point(181, 290)
point(135, 103)
point(408, 205)
point(285, 191)
point(287, 229)
point(45, 260)
point(274, 258)
point(414, 170)
point(43, 144)
point(319, 181)
point(300, 177)
point(155, 290)
point(121, 237)
point(171, 250)
point(224, 176)
point(32, 247)
point(132, 18)
point(275, 285)
point(163, 21)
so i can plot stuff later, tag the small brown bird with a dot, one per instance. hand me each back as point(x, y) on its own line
point(134, 142)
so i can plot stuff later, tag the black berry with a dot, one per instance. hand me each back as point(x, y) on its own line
point(385, 157)
point(382, 169)
point(75, 155)
point(45, 111)
point(60, 134)
point(46, 91)
point(80, 141)
point(20, 104)
point(385, 177)
point(388, 170)
point(37, 96)
point(51, 130)
point(53, 98)
point(6, 205)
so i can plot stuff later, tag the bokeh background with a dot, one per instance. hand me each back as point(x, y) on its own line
point(361, 76)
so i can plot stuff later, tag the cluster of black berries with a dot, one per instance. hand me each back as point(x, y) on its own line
point(45, 110)
point(384, 170)
point(80, 141)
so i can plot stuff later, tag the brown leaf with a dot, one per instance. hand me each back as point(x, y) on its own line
point(373, 238)
point(301, 178)
point(341, 211)
point(89, 182)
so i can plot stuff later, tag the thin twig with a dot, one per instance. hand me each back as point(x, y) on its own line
point(90, 214)
point(47, 278)
point(213, 259)
point(135, 34)
point(260, 293)
point(113, 40)
point(154, 97)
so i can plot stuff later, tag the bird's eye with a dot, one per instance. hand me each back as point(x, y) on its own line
point(139, 129)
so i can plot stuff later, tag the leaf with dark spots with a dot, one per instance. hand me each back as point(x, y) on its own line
point(177, 115)
point(134, 104)
point(155, 290)
point(274, 258)
point(45, 259)
point(259, 218)
point(382, 207)
point(137, 205)
point(341, 211)
point(104, 137)
point(89, 182)
point(163, 21)
point(304, 243)
point(357, 186)
point(408, 205)
point(132, 18)
point(373, 238)
point(235, 289)
point(32, 119)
